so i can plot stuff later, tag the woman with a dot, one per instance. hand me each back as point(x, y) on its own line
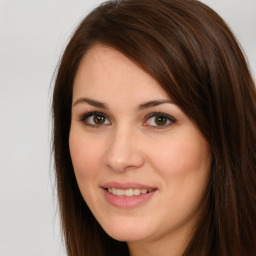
point(154, 133)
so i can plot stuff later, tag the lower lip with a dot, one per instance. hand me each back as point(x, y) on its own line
point(127, 201)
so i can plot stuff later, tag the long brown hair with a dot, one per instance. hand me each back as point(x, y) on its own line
point(194, 56)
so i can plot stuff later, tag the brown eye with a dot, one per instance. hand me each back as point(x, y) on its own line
point(161, 120)
point(95, 119)
point(99, 119)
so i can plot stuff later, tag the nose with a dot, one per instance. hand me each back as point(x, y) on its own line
point(124, 151)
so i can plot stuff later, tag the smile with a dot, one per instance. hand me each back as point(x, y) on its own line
point(128, 192)
point(127, 195)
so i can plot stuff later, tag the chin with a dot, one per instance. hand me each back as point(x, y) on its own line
point(125, 233)
point(125, 237)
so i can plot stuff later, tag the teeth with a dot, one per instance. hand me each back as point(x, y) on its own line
point(127, 192)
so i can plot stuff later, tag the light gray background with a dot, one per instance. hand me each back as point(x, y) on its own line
point(33, 34)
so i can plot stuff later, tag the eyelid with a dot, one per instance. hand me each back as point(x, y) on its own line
point(161, 114)
point(85, 116)
point(155, 114)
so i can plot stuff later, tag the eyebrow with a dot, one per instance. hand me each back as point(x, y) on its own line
point(154, 103)
point(142, 106)
point(91, 102)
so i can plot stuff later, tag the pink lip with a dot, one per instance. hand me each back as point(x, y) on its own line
point(125, 201)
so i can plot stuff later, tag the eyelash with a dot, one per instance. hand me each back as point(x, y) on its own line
point(169, 119)
point(85, 117)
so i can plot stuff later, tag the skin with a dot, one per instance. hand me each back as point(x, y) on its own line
point(129, 146)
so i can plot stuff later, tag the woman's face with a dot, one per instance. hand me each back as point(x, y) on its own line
point(141, 164)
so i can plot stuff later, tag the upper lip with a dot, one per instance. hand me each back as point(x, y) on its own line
point(127, 185)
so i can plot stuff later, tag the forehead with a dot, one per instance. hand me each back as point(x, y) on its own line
point(105, 71)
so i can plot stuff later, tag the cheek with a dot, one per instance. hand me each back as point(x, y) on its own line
point(85, 154)
point(181, 156)
point(184, 165)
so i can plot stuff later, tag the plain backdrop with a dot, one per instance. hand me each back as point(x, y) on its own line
point(33, 34)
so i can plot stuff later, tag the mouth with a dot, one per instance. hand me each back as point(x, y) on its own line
point(127, 195)
point(128, 192)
